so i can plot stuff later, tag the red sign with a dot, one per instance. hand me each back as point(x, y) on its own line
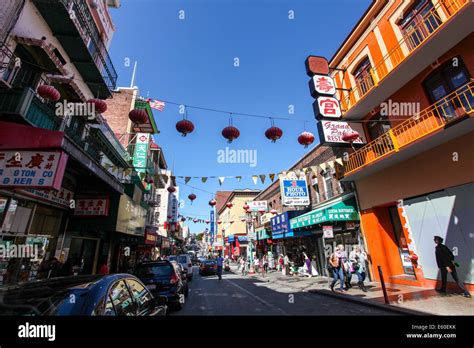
point(32, 169)
point(92, 207)
point(150, 237)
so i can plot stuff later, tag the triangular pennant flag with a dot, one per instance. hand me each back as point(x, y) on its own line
point(255, 178)
point(165, 178)
point(331, 164)
point(339, 160)
point(204, 179)
point(262, 178)
point(238, 178)
point(323, 166)
point(271, 176)
point(314, 169)
point(186, 179)
point(221, 179)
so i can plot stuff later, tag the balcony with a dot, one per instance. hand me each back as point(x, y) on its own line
point(446, 112)
point(73, 25)
point(413, 53)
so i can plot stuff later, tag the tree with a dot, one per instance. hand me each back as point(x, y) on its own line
point(199, 236)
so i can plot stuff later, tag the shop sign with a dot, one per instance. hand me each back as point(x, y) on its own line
point(331, 132)
point(92, 206)
point(251, 236)
point(350, 225)
point(62, 197)
point(328, 232)
point(141, 152)
point(258, 205)
point(131, 217)
point(294, 192)
point(322, 85)
point(265, 218)
point(32, 169)
point(165, 243)
point(150, 237)
point(406, 262)
point(327, 107)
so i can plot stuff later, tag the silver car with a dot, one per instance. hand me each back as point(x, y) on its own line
point(185, 261)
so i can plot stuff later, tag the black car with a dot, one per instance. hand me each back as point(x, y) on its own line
point(164, 278)
point(111, 295)
point(208, 267)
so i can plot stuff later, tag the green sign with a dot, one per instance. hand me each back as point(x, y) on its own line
point(262, 234)
point(341, 211)
point(140, 153)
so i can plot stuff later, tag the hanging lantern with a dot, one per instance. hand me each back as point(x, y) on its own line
point(149, 180)
point(350, 136)
point(219, 222)
point(230, 133)
point(183, 219)
point(48, 92)
point(273, 133)
point(229, 205)
point(306, 138)
point(212, 202)
point(184, 127)
point(171, 189)
point(254, 218)
point(273, 211)
point(138, 116)
point(100, 106)
point(207, 221)
point(246, 207)
point(231, 221)
point(195, 220)
point(192, 197)
point(169, 217)
point(243, 219)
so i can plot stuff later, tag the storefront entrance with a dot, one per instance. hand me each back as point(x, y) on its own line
point(84, 254)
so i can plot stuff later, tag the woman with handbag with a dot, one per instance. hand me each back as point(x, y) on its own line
point(336, 266)
point(357, 258)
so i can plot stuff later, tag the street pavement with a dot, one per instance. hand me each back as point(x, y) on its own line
point(244, 295)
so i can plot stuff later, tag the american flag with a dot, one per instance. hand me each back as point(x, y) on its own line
point(156, 104)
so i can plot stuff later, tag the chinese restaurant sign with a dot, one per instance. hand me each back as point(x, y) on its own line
point(92, 207)
point(331, 132)
point(140, 153)
point(32, 169)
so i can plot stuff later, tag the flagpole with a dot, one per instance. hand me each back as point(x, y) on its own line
point(133, 74)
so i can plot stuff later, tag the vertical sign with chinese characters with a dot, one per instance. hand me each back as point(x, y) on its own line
point(32, 169)
point(141, 152)
point(212, 226)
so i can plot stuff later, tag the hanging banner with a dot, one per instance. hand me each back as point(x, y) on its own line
point(331, 132)
point(294, 192)
point(32, 169)
point(140, 153)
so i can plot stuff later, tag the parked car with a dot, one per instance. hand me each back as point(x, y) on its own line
point(208, 267)
point(111, 295)
point(184, 260)
point(163, 278)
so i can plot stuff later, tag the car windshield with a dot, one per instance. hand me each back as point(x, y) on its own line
point(153, 270)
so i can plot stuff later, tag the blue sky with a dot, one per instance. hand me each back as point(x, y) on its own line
point(191, 61)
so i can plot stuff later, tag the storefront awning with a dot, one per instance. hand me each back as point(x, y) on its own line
point(341, 209)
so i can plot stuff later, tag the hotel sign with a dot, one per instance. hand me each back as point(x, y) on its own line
point(32, 169)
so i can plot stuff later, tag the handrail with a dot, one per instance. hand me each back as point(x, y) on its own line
point(446, 110)
point(424, 29)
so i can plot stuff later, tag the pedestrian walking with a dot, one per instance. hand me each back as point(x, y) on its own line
point(220, 263)
point(335, 266)
point(286, 265)
point(358, 258)
point(446, 264)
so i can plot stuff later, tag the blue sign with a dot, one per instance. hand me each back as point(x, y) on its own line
point(281, 227)
point(294, 192)
point(231, 238)
point(212, 226)
point(242, 238)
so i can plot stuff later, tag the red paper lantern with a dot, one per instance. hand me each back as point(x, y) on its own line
point(230, 133)
point(149, 180)
point(183, 219)
point(207, 221)
point(273, 211)
point(229, 205)
point(231, 221)
point(169, 217)
point(219, 222)
point(192, 197)
point(306, 138)
point(212, 202)
point(246, 207)
point(195, 220)
point(100, 105)
point(350, 136)
point(242, 219)
point(171, 189)
point(138, 116)
point(184, 127)
point(48, 92)
point(273, 133)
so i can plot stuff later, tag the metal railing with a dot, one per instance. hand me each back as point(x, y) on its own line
point(84, 22)
point(446, 110)
point(429, 24)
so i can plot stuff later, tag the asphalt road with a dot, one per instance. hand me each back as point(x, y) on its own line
point(238, 295)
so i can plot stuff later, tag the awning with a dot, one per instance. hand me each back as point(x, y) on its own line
point(341, 209)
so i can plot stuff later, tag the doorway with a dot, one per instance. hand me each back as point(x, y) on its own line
point(401, 241)
point(84, 253)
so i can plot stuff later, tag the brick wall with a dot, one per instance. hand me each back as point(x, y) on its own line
point(117, 113)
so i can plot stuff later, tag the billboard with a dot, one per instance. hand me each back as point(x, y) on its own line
point(294, 191)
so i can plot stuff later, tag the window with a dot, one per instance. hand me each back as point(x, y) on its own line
point(121, 299)
point(327, 180)
point(314, 183)
point(444, 81)
point(364, 81)
point(141, 296)
point(377, 126)
point(419, 22)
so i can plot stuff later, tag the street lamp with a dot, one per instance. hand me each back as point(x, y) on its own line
point(250, 233)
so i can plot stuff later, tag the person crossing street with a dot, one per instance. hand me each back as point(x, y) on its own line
point(220, 263)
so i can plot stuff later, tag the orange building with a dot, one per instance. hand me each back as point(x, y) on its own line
point(406, 73)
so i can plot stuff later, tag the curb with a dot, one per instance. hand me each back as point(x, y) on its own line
point(369, 303)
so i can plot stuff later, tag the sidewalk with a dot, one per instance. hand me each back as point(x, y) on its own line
point(409, 299)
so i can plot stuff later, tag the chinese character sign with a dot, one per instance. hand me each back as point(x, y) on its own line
point(327, 107)
point(322, 85)
point(258, 206)
point(141, 152)
point(32, 169)
point(92, 207)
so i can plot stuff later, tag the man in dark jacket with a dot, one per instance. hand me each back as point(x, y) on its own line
point(445, 261)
